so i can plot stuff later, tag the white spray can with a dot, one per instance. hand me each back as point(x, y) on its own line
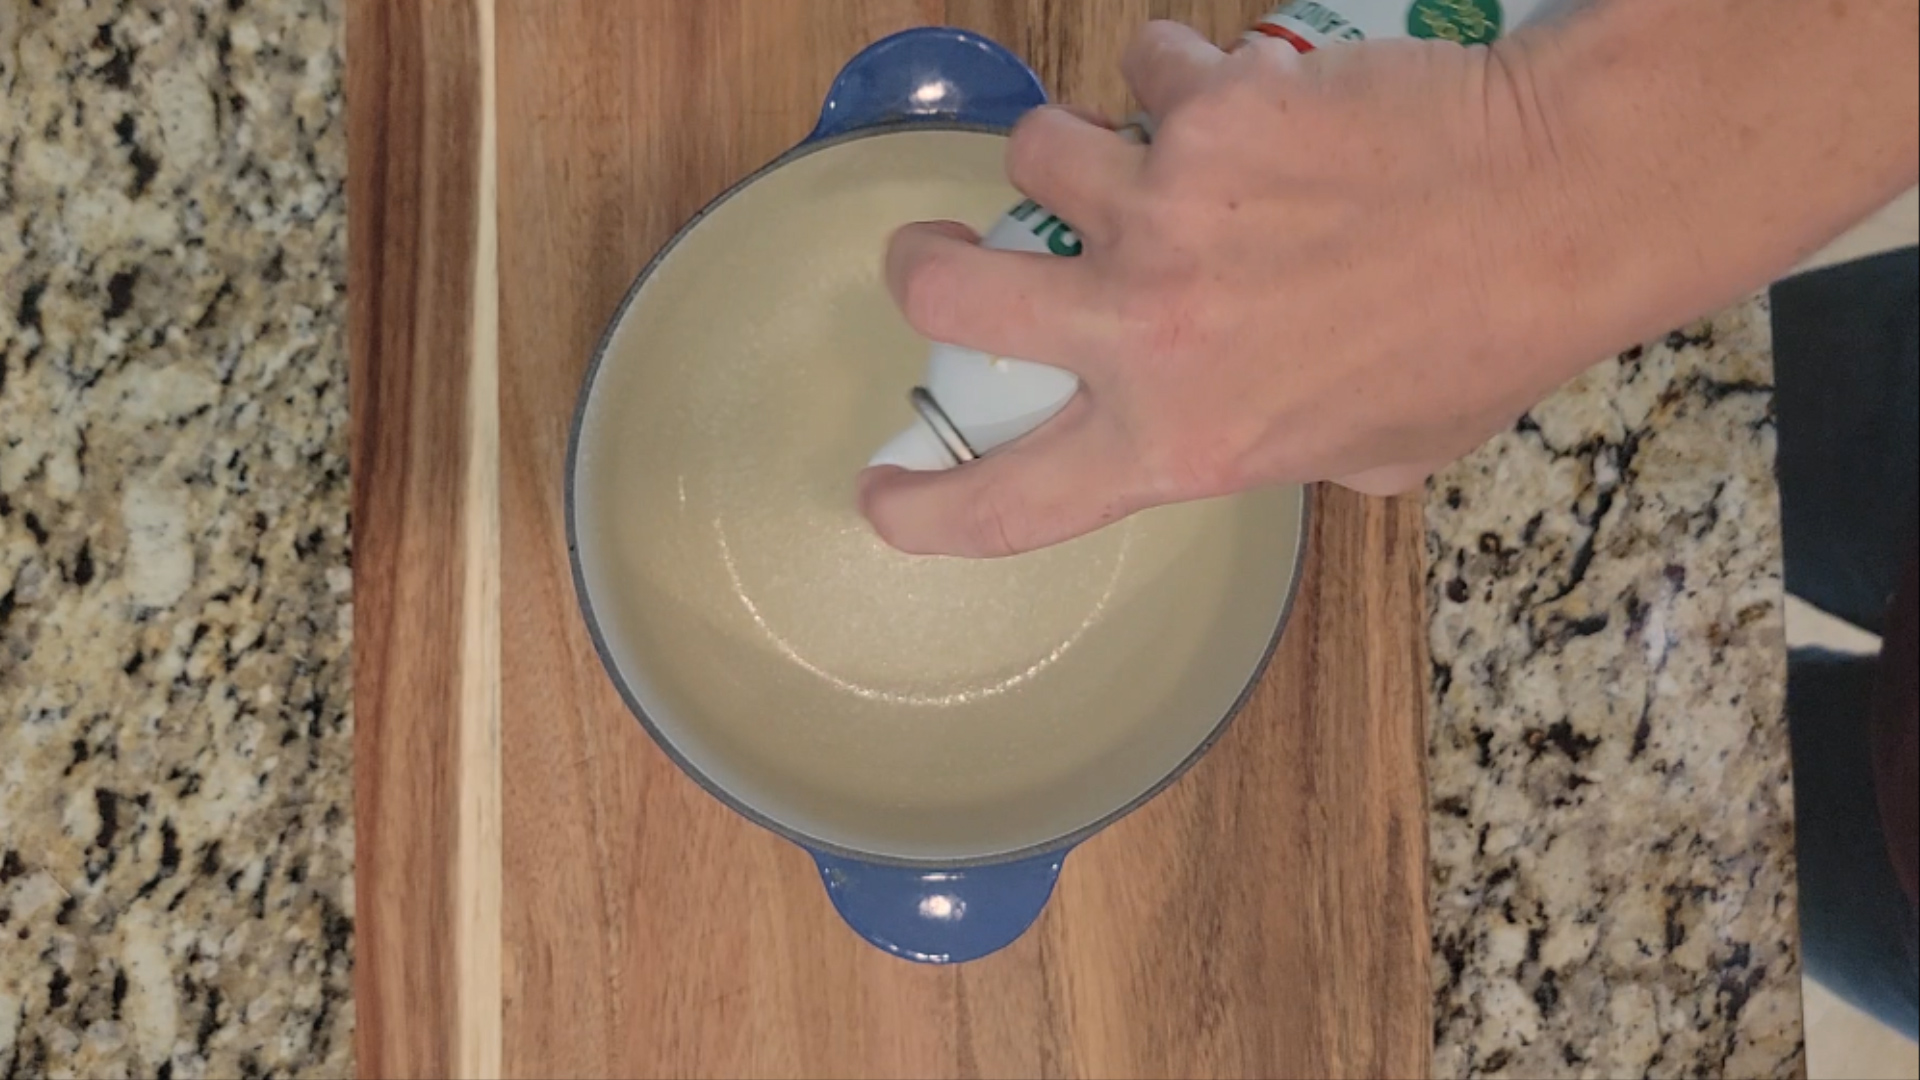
point(971, 403)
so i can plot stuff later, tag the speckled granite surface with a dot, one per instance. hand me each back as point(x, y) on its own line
point(175, 833)
point(1612, 831)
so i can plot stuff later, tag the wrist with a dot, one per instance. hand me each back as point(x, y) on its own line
point(1713, 144)
point(1576, 227)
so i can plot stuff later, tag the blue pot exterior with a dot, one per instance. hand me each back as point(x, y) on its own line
point(939, 78)
point(929, 73)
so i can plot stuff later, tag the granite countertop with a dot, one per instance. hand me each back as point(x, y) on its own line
point(176, 842)
point(1612, 828)
point(1612, 861)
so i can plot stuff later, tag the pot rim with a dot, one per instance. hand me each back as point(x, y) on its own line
point(584, 599)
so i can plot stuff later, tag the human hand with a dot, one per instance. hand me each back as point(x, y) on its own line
point(1339, 266)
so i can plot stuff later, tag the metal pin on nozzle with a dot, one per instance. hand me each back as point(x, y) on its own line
point(943, 427)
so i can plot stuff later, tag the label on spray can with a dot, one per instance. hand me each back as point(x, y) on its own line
point(1310, 24)
point(1029, 227)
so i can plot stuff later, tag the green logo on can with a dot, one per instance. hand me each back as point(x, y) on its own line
point(1060, 237)
point(1467, 22)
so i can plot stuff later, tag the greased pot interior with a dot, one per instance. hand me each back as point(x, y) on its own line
point(861, 701)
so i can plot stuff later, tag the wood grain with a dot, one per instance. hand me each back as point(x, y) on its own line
point(424, 333)
point(1264, 917)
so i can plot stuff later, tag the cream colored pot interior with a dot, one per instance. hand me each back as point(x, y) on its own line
point(914, 708)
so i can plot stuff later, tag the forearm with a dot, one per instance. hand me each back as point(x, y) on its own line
point(1716, 143)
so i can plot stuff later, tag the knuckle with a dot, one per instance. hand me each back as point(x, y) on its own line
point(1163, 322)
point(1171, 191)
point(1155, 33)
point(1201, 123)
point(1171, 333)
point(1027, 150)
point(927, 288)
point(1000, 524)
point(1217, 118)
point(1143, 319)
point(1144, 48)
point(1162, 43)
point(1155, 211)
point(1197, 470)
point(1130, 203)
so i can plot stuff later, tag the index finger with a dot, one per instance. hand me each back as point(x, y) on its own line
point(1004, 303)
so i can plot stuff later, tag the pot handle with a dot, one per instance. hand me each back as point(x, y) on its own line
point(929, 73)
point(940, 916)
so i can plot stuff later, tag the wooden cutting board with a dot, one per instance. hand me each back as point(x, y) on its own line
point(540, 891)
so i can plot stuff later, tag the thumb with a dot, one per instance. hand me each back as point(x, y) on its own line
point(1064, 480)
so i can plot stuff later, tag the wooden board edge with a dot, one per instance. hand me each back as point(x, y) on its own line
point(423, 321)
point(478, 1042)
point(1406, 517)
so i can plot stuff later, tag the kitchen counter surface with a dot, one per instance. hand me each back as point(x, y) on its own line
point(176, 852)
point(1612, 862)
point(1611, 828)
